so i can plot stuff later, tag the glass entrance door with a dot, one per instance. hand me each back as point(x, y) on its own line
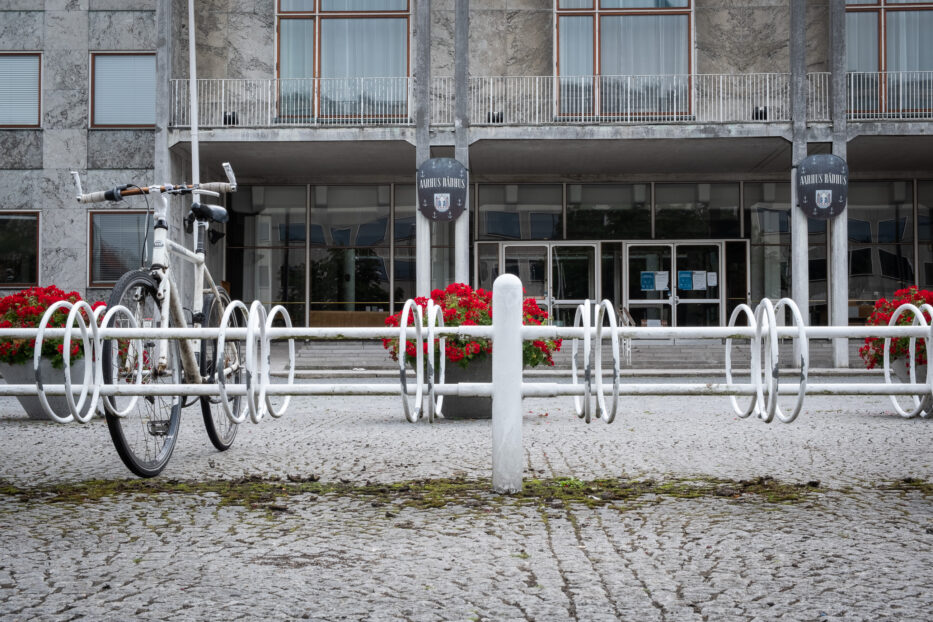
point(573, 280)
point(558, 276)
point(676, 284)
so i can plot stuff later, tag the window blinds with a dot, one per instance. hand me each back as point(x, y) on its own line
point(19, 97)
point(124, 89)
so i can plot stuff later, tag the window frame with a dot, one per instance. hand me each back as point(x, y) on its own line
point(38, 124)
point(597, 12)
point(317, 15)
point(91, 283)
point(92, 95)
point(38, 215)
point(881, 8)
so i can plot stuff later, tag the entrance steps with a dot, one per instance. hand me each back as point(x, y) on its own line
point(693, 355)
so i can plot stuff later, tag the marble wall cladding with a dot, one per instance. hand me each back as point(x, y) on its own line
point(122, 5)
point(19, 189)
point(65, 108)
point(120, 148)
point(511, 39)
point(235, 39)
point(22, 30)
point(65, 70)
point(20, 149)
point(65, 149)
point(121, 30)
point(818, 43)
point(62, 266)
point(66, 30)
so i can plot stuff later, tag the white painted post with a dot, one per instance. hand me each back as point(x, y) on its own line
point(507, 452)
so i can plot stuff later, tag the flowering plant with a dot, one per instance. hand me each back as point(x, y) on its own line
point(461, 305)
point(873, 350)
point(25, 309)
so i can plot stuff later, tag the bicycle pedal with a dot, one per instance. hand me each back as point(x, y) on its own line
point(158, 428)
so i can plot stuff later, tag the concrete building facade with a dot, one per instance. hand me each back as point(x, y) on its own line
point(636, 150)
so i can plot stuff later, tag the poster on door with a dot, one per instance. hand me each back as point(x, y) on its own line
point(685, 280)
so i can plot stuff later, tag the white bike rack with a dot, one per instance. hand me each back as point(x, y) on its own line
point(589, 393)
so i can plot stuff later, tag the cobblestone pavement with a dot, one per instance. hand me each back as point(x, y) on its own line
point(854, 548)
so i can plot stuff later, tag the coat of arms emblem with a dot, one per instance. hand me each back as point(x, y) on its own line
point(824, 198)
point(442, 201)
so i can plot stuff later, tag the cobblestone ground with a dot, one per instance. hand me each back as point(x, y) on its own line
point(853, 549)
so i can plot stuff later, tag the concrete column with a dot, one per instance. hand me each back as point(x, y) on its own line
point(507, 453)
point(462, 134)
point(161, 158)
point(839, 228)
point(422, 75)
point(799, 246)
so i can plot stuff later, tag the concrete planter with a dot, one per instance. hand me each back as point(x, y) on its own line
point(899, 367)
point(457, 407)
point(23, 374)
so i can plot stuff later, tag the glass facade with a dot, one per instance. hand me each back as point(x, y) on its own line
point(351, 248)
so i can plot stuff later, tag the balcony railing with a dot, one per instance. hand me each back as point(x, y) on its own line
point(550, 100)
point(300, 102)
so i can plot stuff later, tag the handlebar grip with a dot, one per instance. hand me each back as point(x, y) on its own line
point(93, 197)
point(216, 186)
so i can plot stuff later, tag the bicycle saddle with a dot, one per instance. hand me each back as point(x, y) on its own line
point(214, 213)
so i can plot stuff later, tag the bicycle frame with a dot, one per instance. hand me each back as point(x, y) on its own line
point(170, 300)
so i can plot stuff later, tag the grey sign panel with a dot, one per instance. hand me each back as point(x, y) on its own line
point(442, 188)
point(822, 185)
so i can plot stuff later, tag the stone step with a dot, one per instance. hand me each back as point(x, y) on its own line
point(656, 355)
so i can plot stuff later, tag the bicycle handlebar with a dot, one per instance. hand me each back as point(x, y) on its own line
point(117, 194)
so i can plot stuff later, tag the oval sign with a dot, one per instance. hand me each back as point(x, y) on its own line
point(442, 188)
point(822, 185)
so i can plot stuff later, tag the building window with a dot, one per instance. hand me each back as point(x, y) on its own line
point(340, 59)
point(266, 246)
point(117, 239)
point(520, 212)
point(889, 55)
point(624, 58)
point(123, 90)
point(19, 249)
point(19, 97)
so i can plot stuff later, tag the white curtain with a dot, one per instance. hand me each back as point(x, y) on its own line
point(296, 67)
point(649, 45)
point(862, 41)
point(363, 5)
point(576, 65)
point(369, 59)
point(910, 40)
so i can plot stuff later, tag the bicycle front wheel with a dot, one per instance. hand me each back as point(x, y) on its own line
point(145, 436)
point(220, 428)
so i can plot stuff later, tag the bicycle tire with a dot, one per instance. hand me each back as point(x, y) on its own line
point(145, 437)
point(220, 429)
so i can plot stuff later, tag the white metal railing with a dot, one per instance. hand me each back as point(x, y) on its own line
point(301, 102)
point(874, 95)
point(548, 100)
point(593, 328)
point(697, 98)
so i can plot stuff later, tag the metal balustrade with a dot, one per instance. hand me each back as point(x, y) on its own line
point(551, 100)
point(595, 393)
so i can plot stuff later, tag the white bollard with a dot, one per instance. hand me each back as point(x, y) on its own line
point(507, 452)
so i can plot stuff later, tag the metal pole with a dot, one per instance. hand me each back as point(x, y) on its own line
point(462, 135)
point(507, 452)
point(423, 142)
point(800, 268)
point(839, 227)
point(193, 97)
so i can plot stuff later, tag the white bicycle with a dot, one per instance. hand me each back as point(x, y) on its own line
point(144, 429)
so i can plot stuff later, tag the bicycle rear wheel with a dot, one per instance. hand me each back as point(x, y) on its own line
point(220, 429)
point(145, 437)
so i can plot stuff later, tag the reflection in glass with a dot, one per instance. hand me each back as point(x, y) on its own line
point(614, 211)
point(271, 275)
point(573, 272)
point(648, 259)
point(520, 212)
point(19, 243)
point(528, 263)
point(925, 231)
point(708, 211)
point(487, 265)
point(350, 279)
